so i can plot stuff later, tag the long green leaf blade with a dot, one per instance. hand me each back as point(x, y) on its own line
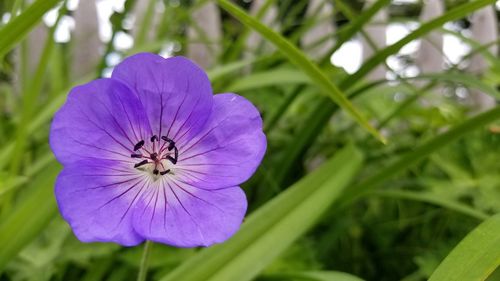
point(15, 30)
point(300, 60)
point(423, 151)
point(276, 225)
point(475, 257)
point(30, 217)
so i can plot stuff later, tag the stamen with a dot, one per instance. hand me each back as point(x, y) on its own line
point(171, 159)
point(171, 143)
point(143, 162)
point(176, 156)
point(176, 153)
point(157, 156)
point(138, 145)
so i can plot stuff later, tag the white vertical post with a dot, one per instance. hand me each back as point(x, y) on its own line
point(208, 28)
point(320, 30)
point(484, 30)
point(139, 12)
point(376, 30)
point(86, 45)
point(269, 18)
point(430, 55)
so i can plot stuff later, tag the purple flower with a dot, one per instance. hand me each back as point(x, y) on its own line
point(151, 154)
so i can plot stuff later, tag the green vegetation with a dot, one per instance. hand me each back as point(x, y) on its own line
point(387, 178)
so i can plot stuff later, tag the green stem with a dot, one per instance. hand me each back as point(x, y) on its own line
point(143, 269)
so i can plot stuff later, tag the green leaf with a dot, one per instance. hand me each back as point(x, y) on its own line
point(315, 276)
point(462, 79)
point(32, 214)
point(475, 257)
point(432, 198)
point(421, 152)
point(298, 58)
point(274, 226)
point(283, 76)
point(219, 71)
point(357, 22)
point(16, 30)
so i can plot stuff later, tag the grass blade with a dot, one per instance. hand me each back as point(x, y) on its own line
point(431, 198)
point(421, 152)
point(276, 225)
point(15, 30)
point(357, 22)
point(298, 58)
point(314, 276)
point(475, 257)
point(30, 216)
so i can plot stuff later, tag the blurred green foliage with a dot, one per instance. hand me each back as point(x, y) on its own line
point(329, 202)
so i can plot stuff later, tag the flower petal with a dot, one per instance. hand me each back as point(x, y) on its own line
point(175, 92)
point(228, 150)
point(101, 119)
point(97, 199)
point(181, 215)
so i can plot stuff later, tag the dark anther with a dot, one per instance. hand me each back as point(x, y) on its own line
point(176, 156)
point(154, 138)
point(155, 171)
point(139, 145)
point(171, 159)
point(133, 155)
point(143, 162)
point(164, 172)
point(153, 156)
point(171, 143)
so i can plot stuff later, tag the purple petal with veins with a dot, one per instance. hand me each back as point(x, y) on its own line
point(152, 154)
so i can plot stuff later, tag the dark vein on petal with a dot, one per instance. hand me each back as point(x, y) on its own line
point(176, 114)
point(100, 148)
point(154, 210)
point(116, 183)
point(110, 175)
point(113, 169)
point(213, 149)
point(211, 164)
point(102, 129)
point(116, 123)
point(202, 173)
point(205, 189)
point(120, 195)
point(205, 135)
point(132, 203)
point(187, 212)
point(164, 209)
point(147, 206)
point(189, 116)
point(201, 199)
point(129, 121)
point(161, 115)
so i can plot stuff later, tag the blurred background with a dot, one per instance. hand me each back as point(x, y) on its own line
point(424, 73)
